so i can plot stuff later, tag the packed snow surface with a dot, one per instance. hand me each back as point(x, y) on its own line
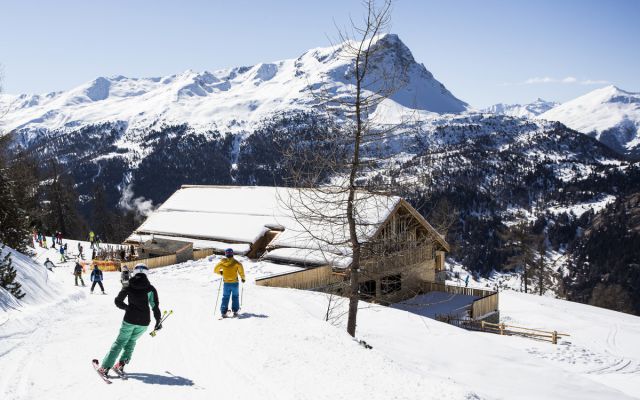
point(281, 348)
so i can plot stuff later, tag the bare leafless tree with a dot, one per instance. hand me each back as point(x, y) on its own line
point(344, 196)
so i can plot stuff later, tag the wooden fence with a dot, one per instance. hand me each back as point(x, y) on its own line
point(504, 329)
point(154, 262)
point(203, 253)
point(306, 279)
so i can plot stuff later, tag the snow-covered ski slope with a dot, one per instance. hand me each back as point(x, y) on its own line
point(281, 348)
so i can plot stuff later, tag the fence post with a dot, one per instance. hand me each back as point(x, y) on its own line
point(554, 337)
point(502, 328)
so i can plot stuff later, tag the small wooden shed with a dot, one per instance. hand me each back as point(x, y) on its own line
point(157, 247)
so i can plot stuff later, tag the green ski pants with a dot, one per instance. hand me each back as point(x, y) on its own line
point(126, 340)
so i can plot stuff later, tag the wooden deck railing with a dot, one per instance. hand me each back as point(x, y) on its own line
point(486, 303)
point(441, 287)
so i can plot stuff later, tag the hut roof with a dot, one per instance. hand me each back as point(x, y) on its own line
point(308, 220)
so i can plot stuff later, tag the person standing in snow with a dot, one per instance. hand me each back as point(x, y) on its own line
point(230, 268)
point(91, 236)
point(62, 257)
point(124, 276)
point(80, 251)
point(77, 272)
point(53, 241)
point(143, 298)
point(96, 277)
point(466, 281)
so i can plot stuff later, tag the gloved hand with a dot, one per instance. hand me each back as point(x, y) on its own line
point(243, 281)
point(158, 326)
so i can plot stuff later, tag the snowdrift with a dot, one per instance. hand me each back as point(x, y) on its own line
point(41, 286)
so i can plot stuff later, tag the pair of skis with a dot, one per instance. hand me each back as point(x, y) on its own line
point(228, 316)
point(121, 374)
point(105, 377)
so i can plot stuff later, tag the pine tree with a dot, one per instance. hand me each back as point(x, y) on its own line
point(14, 231)
point(520, 244)
point(8, 276)
point(61, 212)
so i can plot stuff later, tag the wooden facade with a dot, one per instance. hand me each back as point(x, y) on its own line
point(404, 253)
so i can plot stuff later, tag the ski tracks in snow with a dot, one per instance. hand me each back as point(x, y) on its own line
point(30, 338)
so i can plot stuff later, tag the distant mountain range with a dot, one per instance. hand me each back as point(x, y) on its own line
point(229, 100)
point(530, 110)
point(609, 114)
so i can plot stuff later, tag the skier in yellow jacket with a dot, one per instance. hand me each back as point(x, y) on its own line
point(230, 268)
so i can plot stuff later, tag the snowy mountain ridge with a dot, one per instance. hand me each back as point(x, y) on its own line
point(530, 110)
point(609, 114)
point(232, 100)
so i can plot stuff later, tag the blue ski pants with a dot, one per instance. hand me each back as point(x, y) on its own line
point(230, 290)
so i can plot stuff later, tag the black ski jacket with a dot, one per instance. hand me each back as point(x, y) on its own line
point(142, 297)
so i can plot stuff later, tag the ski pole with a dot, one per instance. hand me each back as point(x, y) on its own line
point(217, 297)
point(165, 315)
point(241, 295)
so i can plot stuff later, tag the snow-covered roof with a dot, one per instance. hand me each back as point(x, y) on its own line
point(198, 244)
point(243, 214)
point(312, 224)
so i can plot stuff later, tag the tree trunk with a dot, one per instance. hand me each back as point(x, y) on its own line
point(355, 244)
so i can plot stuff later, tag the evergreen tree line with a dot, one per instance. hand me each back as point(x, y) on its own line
point(37, 193)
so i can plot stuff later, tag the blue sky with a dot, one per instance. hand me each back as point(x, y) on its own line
point(484, 51)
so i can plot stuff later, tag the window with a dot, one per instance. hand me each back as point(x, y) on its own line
point(439, 262)
point(368, 289)
point(391, 283)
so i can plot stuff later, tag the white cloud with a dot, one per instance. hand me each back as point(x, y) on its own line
point(569, 80)
point(592, 82)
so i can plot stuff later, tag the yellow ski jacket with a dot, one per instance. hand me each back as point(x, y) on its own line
point(230, 269)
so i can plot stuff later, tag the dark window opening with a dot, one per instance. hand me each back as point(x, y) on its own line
point(391, 283)
point(368, 289)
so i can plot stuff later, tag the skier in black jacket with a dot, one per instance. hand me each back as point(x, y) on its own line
point(143, 298)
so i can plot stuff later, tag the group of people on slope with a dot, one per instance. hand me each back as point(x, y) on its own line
point(142, 300)
point(96, 276)
point(41, 239)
